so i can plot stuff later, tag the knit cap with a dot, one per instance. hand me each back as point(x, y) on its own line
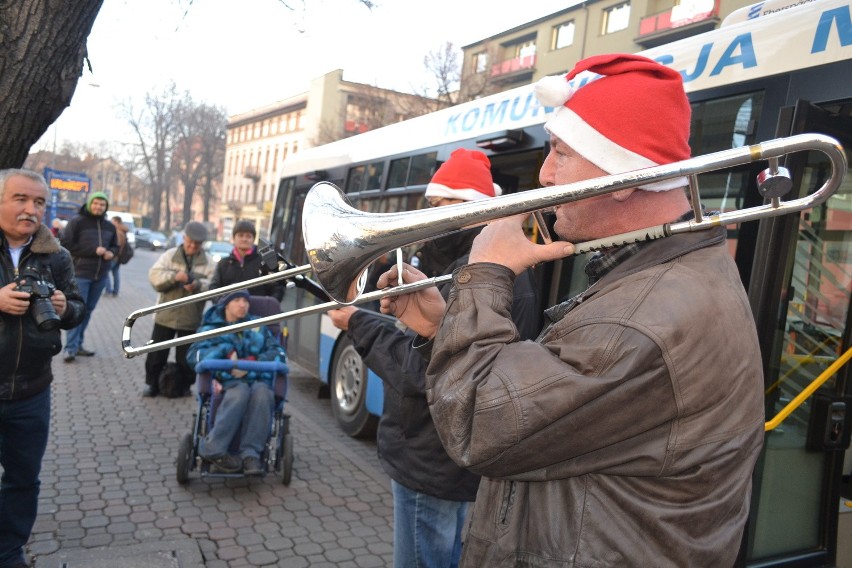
point(233, 296)
point(96, 195)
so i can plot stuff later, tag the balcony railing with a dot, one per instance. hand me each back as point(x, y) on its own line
point(513, 65)
point(682, 15)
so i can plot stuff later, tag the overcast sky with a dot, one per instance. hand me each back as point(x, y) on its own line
point(249, 53)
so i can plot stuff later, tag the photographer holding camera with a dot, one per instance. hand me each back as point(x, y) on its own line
point(38, 296)
point(178, 273)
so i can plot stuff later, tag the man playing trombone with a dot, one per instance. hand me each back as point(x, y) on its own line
point(627, 433)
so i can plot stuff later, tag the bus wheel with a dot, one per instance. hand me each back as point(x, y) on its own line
point(349, 392)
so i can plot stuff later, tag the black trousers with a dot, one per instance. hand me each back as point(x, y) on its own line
point(156, 360)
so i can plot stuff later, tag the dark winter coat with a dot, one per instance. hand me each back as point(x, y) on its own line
point(26, 352)
point(230, 271)
point(408, 445)
point(82, 236)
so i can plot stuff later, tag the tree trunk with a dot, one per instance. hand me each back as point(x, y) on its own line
point(42, 48)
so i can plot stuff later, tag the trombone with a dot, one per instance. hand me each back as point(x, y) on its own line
point(342, 242)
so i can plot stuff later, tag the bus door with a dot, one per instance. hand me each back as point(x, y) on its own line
point(800, 293)
point(304, 332)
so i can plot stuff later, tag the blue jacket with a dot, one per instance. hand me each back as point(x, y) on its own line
point(256, 343)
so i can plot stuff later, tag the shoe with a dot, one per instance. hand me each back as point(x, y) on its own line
point(85, 353)
point(252, 466)
point(69, 358)
point(225, 463)
point(149, 391)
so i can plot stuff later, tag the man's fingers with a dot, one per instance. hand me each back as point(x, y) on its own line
point(553, 251)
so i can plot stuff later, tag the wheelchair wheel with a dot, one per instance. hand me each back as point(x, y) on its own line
point(286, 460)
point(184, 459)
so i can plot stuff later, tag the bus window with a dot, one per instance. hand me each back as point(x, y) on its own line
point(724, 123)
point(374, 175)
point(422, 168)
point(355, 181)
point(365, 177)
point(398, 172)
point(721, 124)
point(413, 170)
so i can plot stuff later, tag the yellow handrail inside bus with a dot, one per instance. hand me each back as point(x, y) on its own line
point(800, 362)
point(808, 391)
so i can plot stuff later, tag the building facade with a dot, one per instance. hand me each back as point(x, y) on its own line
point(260, 140)
point(553, 44)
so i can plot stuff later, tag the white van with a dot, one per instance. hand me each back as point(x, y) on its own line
point(127, 219)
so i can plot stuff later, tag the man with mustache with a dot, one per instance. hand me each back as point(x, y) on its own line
point(30, 259)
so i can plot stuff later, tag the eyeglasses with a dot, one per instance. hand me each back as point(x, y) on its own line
point(436, 201)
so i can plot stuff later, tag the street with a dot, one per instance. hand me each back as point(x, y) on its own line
point(109, 497)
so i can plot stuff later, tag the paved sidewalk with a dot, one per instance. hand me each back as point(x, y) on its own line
point(109, 495)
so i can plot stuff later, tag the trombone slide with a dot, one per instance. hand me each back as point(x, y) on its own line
point(342, 241)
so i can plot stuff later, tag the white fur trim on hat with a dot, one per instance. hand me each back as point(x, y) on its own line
point(569, 127)
point(441, 190)
point(553, 91)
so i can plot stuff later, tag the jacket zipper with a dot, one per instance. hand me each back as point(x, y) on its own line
point(15, 274)
point(100, 258)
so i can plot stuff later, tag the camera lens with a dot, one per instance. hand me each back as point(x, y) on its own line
point(44, 314)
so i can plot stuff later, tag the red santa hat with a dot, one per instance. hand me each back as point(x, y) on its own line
point(465, 175)
point(633, 115)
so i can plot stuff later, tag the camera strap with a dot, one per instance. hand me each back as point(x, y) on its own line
point(187, 260)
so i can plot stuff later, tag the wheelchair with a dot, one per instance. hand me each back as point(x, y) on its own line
point(277, 455)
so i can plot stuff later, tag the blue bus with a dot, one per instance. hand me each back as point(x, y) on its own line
point(753, 79)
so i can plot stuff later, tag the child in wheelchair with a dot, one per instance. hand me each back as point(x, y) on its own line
point(247, 396)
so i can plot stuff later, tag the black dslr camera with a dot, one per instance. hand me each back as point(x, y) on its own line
point(40, 291)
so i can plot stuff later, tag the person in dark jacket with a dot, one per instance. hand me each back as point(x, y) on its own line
point(38, 296)
point(244, 263)
point(430, 492)
point(91, 239)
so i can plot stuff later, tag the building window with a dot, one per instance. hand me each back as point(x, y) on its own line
point(616, 18)
point(524, 49)
point(480, 62)
point(563, 35)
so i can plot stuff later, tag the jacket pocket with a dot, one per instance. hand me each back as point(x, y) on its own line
point(507, 502)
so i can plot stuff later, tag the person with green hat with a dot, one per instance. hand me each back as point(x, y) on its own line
point(91, 239)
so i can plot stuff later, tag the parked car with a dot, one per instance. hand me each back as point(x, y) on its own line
point(139, 232)
point(154, 240)
point(175, 240)
point(217, 250)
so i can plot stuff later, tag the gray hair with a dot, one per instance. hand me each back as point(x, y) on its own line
point(29, 174)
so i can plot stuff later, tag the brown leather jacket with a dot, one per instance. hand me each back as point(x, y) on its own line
point(626, 435)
